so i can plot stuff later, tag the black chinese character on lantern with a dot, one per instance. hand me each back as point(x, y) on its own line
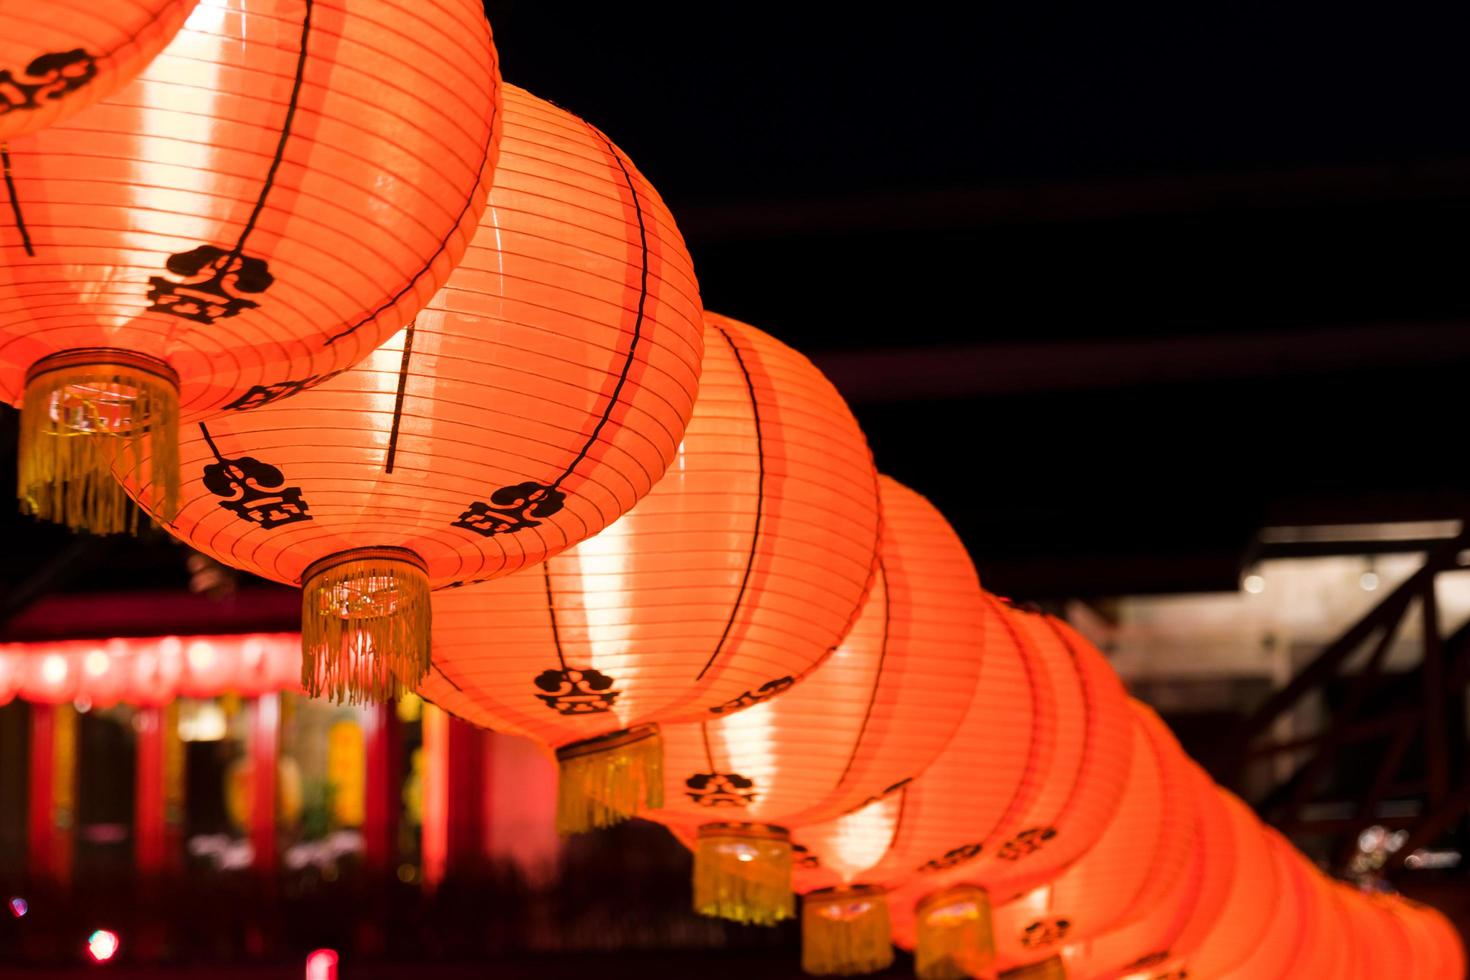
point(511, 509)
point(211, 279)
point(576, 692)
point(803, 858)
point(46, 79)
point(765, 692)
point(254, 491)
point(721, 789)
point(1045, 932)
point(259, 396)
point(951, 857)
point(1025, 843)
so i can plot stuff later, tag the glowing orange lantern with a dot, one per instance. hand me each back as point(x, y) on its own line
point(1142, 852)
point(1271, 956)
point(52, 678)
point(736, 575)
point(1438, 947)
point(1231, 936)
point(952, 836)
point(57, 56)
point(1142, 948)
point(538, 397)
point(236, 224)
point(875, 712)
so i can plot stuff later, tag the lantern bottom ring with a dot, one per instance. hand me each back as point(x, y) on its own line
point(742, 872)
point(607, 779)
point(82, 411)
point(365, 624)
point(956, 936)
point(846, 931)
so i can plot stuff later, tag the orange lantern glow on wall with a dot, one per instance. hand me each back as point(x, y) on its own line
point(236, 224)
point(738, 573)
point(1072, 769)
point(59, 56)
point(875, 712)
point(538, 396)
point(1143, 851)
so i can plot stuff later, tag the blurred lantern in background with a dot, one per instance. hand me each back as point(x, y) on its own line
point(11, 676)
point(738, 573)
point(539, 395)
point(236, 224)
point(1143, 851)
point(1028, 784)
point(52, 678)
point(875, 712)
point(59, 56)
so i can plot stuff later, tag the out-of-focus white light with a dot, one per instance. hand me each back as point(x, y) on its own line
point(1369, 581)
point(1254, 584)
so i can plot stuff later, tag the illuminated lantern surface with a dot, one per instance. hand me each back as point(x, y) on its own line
point(1270, 956)
point(1144, 947)
point(949, 827)
point(738, 573)
point(58, 56)
point(53, 677)
point(878, 710)
point(1143, 851)
point(11, 676)
point(1231, 936)
point(274, 195)
point(1438, 944)
point(1318, 938)
point(537, 397)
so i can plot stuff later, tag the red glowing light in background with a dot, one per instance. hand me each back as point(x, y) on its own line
point(19, 907)
point(321, 964)
point(102, 945)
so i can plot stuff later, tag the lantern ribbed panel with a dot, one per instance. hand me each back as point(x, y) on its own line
point(1445, 952)
point(1312, 955)
point(1270, 956)
point(1428, 958)
point(737, 574)
point(59, 56)
point(1244, 918)
point(373, 201)
point(1144, 850)
point(560, 353)
point(875, 712)
point(281, 189)
point(1150, 942)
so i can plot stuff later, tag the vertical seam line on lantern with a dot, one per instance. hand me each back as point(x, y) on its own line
point(760, 502)
point(551, 613)
point(1025, 791)
point(270, 174)
point(443, 242)
point(637, 320)
point(398, 400)
point(857, 743)
point(20, 221)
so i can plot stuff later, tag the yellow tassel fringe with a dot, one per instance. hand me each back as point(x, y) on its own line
point(1048, 969)
point(85, 410)
point(742, 872)
point(956, 937)
point(606, 780)
point(365, 620)
point(845, 932)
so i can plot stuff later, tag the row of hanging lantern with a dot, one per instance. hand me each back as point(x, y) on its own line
point(391, 348)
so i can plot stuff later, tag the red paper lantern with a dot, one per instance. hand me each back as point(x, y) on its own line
point(1143, 851)
point(1147, 946)
point(11, 676)
point(1438, 950)
point(538, 396)
point(236, 224)
point(736, 575)
point(52, 677)
point(103, 674)
point(1233, 933)
point(58, 56)
point(875, 712)
point(1271, 956)
point(155, 673)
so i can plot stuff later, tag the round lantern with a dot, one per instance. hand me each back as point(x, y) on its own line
point(538, 396)
point(1014, 798)
point(57, 56)
point(284, 186)
point(155, 673)
point(104, 677)
point(1271, 956)
point(1142, 947)
point(53, 677)
point(1317, 936)
point(1438, 949)
point(1142, 852)
point(738, 573)
point(1231, 935)
point(875, 712)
